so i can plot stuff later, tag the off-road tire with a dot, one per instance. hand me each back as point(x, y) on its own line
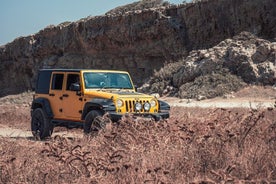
point(41, 125)
point(93, 122)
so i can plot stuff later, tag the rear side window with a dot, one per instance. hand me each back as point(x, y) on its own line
point(57, 81)
point(43, 82)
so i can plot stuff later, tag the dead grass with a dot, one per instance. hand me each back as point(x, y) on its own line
point(193, 146)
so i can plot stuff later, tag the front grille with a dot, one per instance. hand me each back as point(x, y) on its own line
point(130, 105)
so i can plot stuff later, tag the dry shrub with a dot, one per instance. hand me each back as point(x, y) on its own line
point(211, 85)
point(193, 146)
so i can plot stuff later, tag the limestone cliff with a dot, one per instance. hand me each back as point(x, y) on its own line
point(139, 41)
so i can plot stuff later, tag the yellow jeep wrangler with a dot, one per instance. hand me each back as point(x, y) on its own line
point(64, 96)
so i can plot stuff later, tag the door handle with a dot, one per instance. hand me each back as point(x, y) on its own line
point(51, 94)
point(65, 95)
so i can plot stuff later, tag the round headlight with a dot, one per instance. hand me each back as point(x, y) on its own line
point(153, 103)
point(146, 106)
point(120, 103)
point(138, 106)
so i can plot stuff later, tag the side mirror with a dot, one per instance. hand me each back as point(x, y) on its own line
point(75, 87)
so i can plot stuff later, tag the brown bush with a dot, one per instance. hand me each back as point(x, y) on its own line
point(193, 146)
point(211, 86)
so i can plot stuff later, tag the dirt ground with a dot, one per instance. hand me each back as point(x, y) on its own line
point(227, 139)
point(250, 97)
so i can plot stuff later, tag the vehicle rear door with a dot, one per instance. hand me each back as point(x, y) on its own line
point(55, 94)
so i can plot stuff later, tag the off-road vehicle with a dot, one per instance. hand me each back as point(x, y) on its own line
point(63, 96)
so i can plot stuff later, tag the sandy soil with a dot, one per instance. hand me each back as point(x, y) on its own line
point(250, 97)
point(254, 103)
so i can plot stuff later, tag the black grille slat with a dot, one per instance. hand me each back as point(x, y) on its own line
point(126, 106)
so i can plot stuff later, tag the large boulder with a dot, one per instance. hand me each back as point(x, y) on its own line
point(220, 69)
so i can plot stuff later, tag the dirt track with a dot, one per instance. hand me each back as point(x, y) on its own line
point(17, 125)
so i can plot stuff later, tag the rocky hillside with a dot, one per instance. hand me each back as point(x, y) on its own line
point(139, 41)
point(219, 70)
point(139, 5)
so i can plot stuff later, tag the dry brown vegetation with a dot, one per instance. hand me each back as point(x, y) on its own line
point(193, 146)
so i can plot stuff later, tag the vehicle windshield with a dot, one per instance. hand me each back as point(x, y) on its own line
point(106, 80)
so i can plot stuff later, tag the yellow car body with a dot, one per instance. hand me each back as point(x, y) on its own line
point(69, 95)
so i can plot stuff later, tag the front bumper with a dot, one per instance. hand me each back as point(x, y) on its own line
point(156, 116)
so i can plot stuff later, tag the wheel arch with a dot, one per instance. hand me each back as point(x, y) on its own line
point(44, 104)
point(101, 104)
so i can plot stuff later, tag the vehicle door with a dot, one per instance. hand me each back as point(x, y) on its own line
point(55, 94)
point(72, 100)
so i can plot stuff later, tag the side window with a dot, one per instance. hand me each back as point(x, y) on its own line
point(72, 79)
point(57, 81)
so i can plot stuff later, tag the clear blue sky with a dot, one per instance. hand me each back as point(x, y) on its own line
point(25, 17)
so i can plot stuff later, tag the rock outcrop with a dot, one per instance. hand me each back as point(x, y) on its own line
point(138, 41)
point(218, 70)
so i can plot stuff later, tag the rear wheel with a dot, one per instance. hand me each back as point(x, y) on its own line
point(41, 125)
point(93, 121)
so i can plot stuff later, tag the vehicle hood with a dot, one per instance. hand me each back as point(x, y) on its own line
point(107, 93)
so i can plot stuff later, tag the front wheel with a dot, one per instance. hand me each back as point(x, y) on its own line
point(93, 121)
point(41, 125)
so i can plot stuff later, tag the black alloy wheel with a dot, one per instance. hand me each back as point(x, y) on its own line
point(93, 122)
point(41, 125)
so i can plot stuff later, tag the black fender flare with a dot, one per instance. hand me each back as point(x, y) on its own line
point(44, 104)
point(102, 104)
point(163, 106)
